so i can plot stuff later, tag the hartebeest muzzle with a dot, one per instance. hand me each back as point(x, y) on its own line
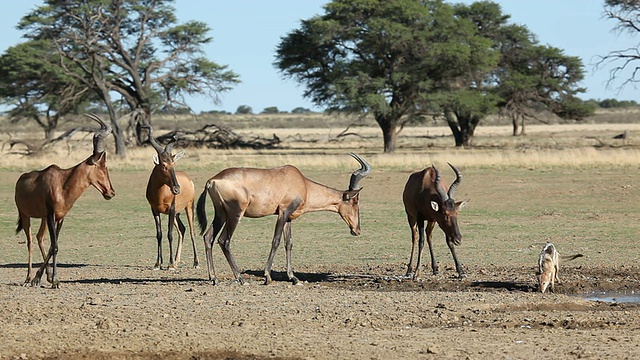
point(175, 189)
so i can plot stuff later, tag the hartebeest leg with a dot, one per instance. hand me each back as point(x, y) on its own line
point(192, 233)
point(53, 253)
point(181, 230)
point(25, 221)
point(46, 257)
point(429, 233)
point(288, 245)
point(414, 243)
point(225, 244)
point(283, 218)
point(43, 250)
point(158, 221)
point(420, 231)
point(459, 268)
point(209, 237)
point(171, 221)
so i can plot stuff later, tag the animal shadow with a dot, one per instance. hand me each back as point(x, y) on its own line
point(302, 276)
point(502, 285)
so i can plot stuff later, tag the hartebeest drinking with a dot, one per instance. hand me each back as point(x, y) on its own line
point(281, 191)
point(170, 192)
point(49, 194)
point(425, 199)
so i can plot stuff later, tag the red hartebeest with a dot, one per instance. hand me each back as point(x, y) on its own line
point(170, 192)
point(49, 194)
point(281, 191)
point(425, 198)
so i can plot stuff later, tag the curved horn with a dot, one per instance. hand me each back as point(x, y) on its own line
point(456, 182)
point(153, 141)
point(98, 137)
point(443, 195)
point(169, 146)
point(359, 174)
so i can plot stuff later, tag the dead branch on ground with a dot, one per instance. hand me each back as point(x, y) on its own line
point(217, 137)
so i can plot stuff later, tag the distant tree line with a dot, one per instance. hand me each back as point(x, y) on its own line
point(614, 103)
point(246, 109)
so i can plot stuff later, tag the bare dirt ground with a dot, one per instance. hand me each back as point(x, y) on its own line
point(111, 312)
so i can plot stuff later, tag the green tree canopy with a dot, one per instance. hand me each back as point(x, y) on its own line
point(270, 110)
point(34, 87)
point(244, 109)
point(401, 61)
point(132, 48)
point(384, 58)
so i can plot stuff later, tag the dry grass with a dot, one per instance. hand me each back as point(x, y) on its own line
point(581, 145)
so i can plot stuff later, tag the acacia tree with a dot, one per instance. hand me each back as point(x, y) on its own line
point(132, 48)
point(384, 58)
point(403, 60)
point(625, 61)
point(533, 78)
point(527, 79)
point(35, 89)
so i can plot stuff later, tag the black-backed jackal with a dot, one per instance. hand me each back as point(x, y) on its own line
point(548, 266)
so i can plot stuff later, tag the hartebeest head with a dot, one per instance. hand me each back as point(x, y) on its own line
point(349, 208)
point(446, 207)
point(99, 174)
point(165, 160)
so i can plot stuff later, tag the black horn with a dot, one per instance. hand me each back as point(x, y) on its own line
point(98, 137)
point(169, 147)
point(456, 182)
point(443, 195)
point(153, 141)
point(359, 174)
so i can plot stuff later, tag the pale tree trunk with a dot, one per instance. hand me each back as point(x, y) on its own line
point(118, 135)
point(518, 129)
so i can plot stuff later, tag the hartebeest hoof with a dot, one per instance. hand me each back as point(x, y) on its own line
point(295, 280)
point(196, 265)
point(55, 284)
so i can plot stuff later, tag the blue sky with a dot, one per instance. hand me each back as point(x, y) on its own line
point(245, 34)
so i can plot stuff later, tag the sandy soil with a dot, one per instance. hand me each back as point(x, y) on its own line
point(103, 312)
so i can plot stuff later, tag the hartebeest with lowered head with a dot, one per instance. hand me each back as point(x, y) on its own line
point(281, 191)
point(49, 194)
point(170, 192)
point(425, 199)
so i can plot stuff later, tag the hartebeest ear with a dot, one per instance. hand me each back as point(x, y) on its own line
point(98, 158)
point(435, 206)
point(461, 204)
point(156, 161)
point(350, 194)
point(178, 156)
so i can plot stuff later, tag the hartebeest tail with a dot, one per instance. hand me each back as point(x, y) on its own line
point(170, 192)
point(281, 191)
point(426, 199)
point(49, 194)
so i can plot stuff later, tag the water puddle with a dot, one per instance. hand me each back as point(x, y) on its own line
point(613, 297)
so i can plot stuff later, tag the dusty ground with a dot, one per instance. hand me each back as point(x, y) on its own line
point(103, 312)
